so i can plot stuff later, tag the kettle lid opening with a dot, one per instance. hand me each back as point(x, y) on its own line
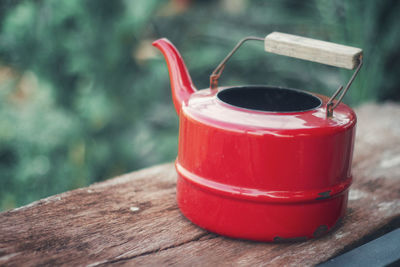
point(270, 99)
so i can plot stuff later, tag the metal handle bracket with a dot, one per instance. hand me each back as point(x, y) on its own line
point(330, 106)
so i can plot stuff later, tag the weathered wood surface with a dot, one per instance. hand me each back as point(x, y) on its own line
point(134, 219)
point(337, 55)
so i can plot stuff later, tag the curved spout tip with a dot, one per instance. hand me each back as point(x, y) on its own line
point(157, 43)
point(181, 83)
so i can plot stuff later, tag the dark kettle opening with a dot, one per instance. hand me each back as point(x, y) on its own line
point(265, 98)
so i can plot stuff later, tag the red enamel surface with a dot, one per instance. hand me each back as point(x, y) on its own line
point(181, 83)
point(261, 175)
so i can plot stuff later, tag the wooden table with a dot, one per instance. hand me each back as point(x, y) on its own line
point(134, 218)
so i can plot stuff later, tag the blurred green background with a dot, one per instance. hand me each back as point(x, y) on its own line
point(85, 97)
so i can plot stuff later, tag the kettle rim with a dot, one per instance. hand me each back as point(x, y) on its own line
point(224, 95)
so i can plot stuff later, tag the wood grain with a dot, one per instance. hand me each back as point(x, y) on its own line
point(313, 50)
point(133, 219)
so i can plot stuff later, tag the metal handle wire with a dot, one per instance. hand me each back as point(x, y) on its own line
point(330, 106)
point(218, 70)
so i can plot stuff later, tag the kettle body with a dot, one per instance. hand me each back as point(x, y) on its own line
point(265, 176)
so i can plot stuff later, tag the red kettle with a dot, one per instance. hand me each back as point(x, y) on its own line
point(260, 162)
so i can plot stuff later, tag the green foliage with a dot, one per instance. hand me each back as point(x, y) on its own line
point(83, 99)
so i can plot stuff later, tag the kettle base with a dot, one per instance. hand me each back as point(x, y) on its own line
point(259, 221)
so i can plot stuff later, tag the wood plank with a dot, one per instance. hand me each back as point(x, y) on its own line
point(313, 50)
point(134, 219)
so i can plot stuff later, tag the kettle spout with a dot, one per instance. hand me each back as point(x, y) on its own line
point(181, 83)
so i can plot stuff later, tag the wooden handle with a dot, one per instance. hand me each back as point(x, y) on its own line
point(314, 50)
